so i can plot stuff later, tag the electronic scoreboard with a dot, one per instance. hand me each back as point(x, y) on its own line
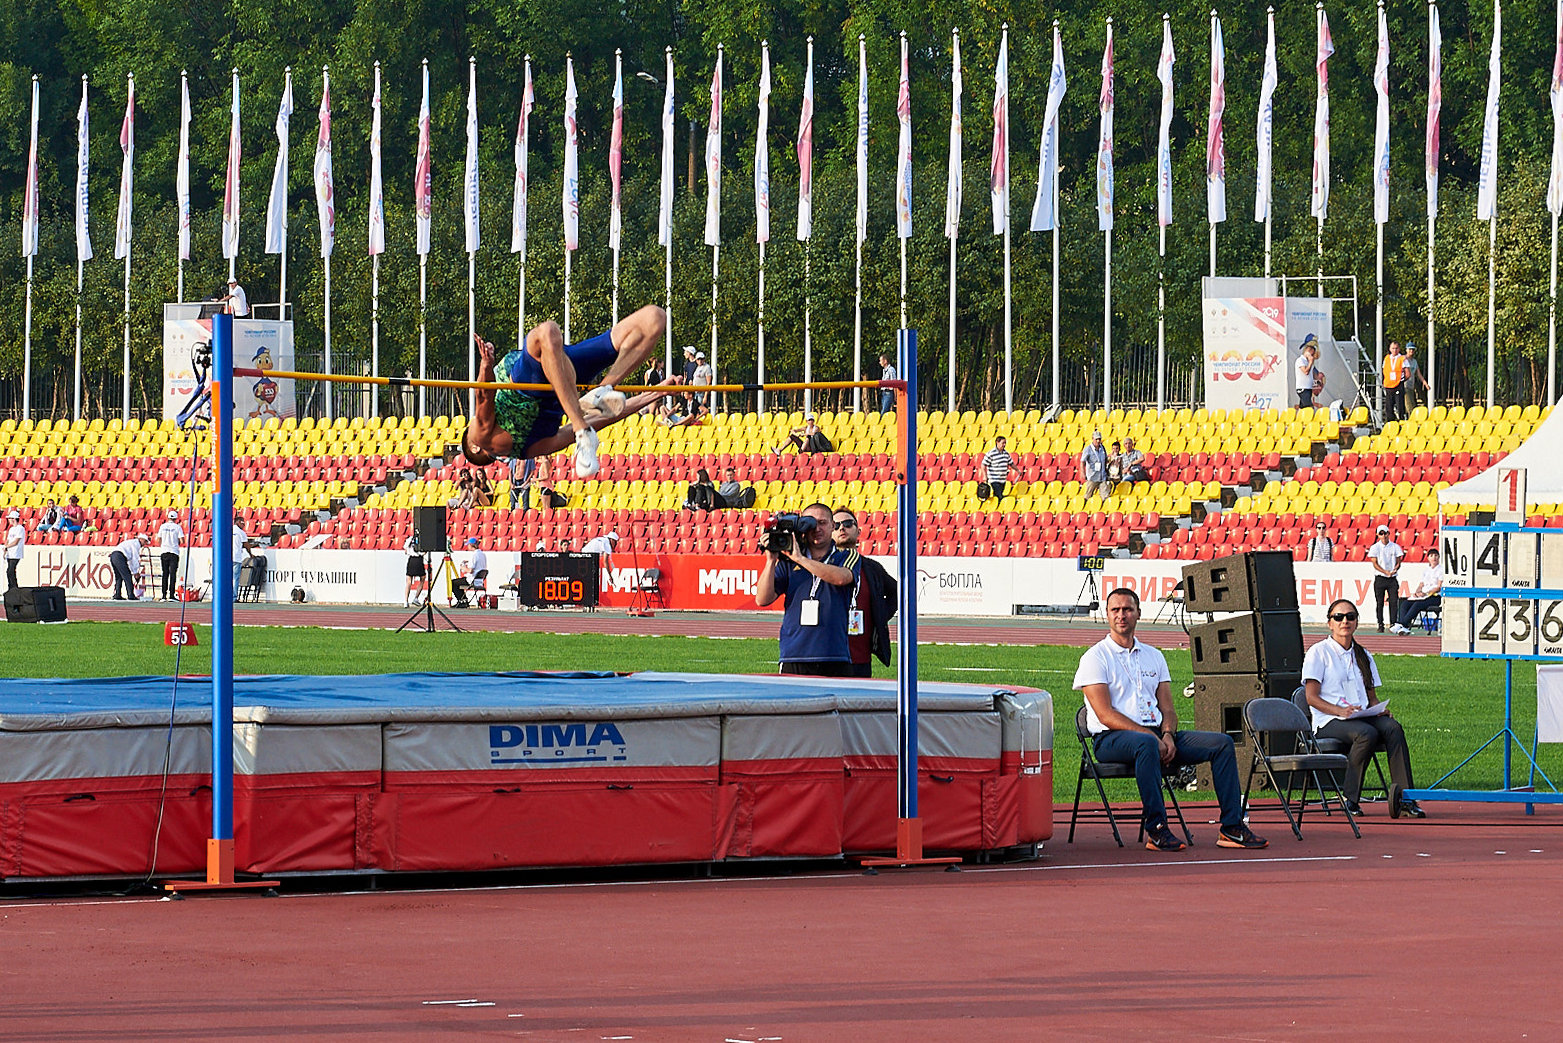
point(558, 580)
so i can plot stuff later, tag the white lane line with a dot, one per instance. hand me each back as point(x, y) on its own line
point(448, 1003)
point(1180, 862)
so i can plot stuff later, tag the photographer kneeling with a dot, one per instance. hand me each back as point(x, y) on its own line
point(817, 582)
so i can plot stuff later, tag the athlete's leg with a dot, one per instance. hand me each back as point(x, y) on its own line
point(635, 337)
point(546, 344)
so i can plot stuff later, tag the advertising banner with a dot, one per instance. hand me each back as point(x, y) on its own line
point(258, 344)
point(1246, 353)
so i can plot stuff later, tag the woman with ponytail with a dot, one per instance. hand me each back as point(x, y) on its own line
point(1341, 680)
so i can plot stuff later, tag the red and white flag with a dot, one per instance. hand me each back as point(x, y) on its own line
point(1215, 141)
point(903, 167)
point(1044, 211)
point(998, 167)
point(231, 181)
point(376, 175)
point(423, 171)
point(325, 187)
point(1164, 137)
point(953, 176)
point(1555, 179)
point(665, 192)
point(806, 153)
point(1435, 99)
point(862, 138)
point(277, 203)
point(1487, 180)
point(1266, 124)
point(1320, 200)
point(469, 185)
point(572, 162)
point(1381, 125)
point(616, 152)
point(83, 210)
point(30, 191)
point(762, 151)
point(182, 173)
point(713, 236)
point(1104, 140)
point(127, 152)
point(523, 147)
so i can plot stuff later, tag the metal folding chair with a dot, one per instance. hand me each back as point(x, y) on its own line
point(1276, 725)
point(1097, 770)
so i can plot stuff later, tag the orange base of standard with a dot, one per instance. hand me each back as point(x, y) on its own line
point(909, 848)
point(219, 872)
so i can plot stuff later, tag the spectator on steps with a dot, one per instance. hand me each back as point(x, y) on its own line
point(702, 492)
point(1134, 469)
point(1093, 468)
point(1320, 546)
point(807, 439)
point(731, 492)
point(50, 519)
point(72, 517)
point(995, 467)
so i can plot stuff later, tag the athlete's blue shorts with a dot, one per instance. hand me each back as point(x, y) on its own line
point(531, 416)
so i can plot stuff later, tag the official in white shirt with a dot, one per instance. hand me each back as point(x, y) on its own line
point(169, 536)
point(1386, 556)
point(1129, 712)
point(15, 543)
point(125, 560)
point(238, 300)
point(1427, 594)
point(474, 575)
point(603, 546)
point(239, 539)
point(1340, 679)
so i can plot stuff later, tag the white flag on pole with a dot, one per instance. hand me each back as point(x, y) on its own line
point(127, 152)
point(1435, 102)
point(762, 152)
point(469, 184)
point(1555, 180)
point(1044, 217)
point(903, 166)
point(325, 187)
point(83, 221)
point(1266, 131)
point(1215, 132)
point(30, 190)
point(806, 153)
point(1381, 125)
point(182, 173)
point(523, 148)
point(998, 167)
point(1164, 139)
point(277, 203)
point(1487, 184)
point(954, 174)
point(231, 182)
point(423, 171)
point(616, 154)
point(1104, 141)
point(713, 235)
point(665, 198)
point(1319, 205)
point(571, 195)
point(376, 176)
point(862, 139)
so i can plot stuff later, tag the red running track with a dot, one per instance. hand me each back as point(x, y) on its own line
point(1439, 929)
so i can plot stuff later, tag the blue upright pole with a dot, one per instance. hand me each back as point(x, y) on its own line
point(220, 849)
point(906, 559)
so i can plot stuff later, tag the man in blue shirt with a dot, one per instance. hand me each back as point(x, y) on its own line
point(816, 579)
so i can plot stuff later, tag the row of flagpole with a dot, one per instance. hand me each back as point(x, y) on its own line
point(1045, 215)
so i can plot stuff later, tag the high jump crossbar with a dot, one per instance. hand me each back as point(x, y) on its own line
point(494, 385)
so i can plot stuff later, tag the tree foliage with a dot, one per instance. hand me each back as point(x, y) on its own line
point(61, 40)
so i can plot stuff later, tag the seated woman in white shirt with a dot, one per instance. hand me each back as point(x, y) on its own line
point(1340, 679)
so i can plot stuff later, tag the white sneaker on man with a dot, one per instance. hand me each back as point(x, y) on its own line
point(586, 465)
point(604, 401)
point(1398, 629)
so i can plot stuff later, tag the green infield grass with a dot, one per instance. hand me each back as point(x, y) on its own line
point(1448, 707)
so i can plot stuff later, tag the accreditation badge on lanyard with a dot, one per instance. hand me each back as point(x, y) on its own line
point(1144, 698)
point(808, 612)
point(855, 614)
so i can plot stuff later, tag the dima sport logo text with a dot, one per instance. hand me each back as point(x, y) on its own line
point(574, 743)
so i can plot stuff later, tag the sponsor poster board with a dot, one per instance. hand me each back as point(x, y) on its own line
point(1246, 353)
point(257, 344)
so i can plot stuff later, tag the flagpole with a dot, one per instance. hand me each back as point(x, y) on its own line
point(421, 172)
point(1009, 341)
point(1107, 268)
point(1058, 225)
point(806, 218)
point(469, 190)
point(569, 132)
point(862, 174)
point(666, 204)
point(1161, 320)
point(762, 210)
point(1492, 306)
point(716, 247)
point(1434, 105)
point(899, 189)
point(81, 229)
point(1552, 315)
point(1432, 388)
point(282, 291)
point(953, 193)
point(808, 328)
point(27, 340)
point(1164, 209)
point(130, 81)
point(183, 177)
point(328, 225)
point(374, 270)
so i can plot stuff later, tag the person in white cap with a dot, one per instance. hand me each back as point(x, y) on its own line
point(1386, 556)
point(15, 542)
point(703, 375)
point(603, 546)
point(125, 560)
point(474, 575)
point(524, 424)
point(238, 300)
point(169, 536)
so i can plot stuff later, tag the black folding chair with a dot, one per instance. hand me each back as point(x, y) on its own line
point(1275, 729)
point(1091, 768)
point(1325, 745)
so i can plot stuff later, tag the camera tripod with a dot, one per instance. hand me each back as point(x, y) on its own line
point(1090, 586)
point(428, 609)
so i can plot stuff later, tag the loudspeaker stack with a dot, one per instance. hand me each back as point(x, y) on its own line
point(1256, 652)
point(429, 527)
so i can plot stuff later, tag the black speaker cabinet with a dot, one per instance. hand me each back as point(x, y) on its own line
point(1256, 581)
point(1218, 707)
point(429, 526)
point(1252, 643)
point(35, 605)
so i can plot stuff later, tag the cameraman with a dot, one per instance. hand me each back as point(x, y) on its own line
point(817, 581)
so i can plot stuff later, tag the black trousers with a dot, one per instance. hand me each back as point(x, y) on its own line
point(1386, 587)
point(832, 669)
point(1395, 403)
point(122, 576)
point(10, 572)
point(1366, 734)
point(170, 561)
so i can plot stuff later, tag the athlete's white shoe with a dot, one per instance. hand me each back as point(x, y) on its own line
point(586, 465)
point(602, 402)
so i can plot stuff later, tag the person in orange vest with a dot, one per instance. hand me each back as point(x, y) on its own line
point(1394, 378)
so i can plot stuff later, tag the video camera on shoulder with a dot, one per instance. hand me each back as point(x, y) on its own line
point(785, 528)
